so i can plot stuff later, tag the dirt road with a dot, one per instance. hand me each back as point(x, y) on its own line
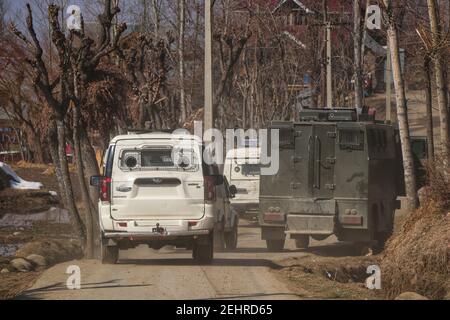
point(171, 274)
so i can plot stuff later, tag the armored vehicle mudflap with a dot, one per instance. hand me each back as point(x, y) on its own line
point(312, 218)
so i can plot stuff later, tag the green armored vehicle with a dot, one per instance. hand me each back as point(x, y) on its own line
point(339, 174)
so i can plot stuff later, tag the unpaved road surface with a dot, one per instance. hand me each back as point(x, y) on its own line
point(171, 274)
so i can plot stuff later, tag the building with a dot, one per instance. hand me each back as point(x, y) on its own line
point(9, 139)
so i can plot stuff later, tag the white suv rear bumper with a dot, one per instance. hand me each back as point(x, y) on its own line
point(153, 236)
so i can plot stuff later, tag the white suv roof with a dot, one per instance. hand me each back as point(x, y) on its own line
point(157, 136)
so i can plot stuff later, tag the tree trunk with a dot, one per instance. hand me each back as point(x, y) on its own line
point(357, 49)
point(439, 70)
point(89, 250)
point(53, 147)
point(65, 175)
point(91, 168)
point(38, 152)
point(156, 17)
point(429, 109)
point(402, 111)
point(181, 57)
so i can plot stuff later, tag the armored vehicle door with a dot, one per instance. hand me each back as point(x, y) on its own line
point(314, 160)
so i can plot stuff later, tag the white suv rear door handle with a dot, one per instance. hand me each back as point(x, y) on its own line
point(124, 189)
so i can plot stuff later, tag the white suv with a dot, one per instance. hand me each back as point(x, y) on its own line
point(156, 190)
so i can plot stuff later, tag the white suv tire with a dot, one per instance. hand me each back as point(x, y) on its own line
point(203, 253)
point(110, 254)
point(231, 238)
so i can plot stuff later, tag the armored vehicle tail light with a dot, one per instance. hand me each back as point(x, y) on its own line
point(210, 189)
point(122, 224)
point(274, 217)
point(352, 220)
point(105, 190)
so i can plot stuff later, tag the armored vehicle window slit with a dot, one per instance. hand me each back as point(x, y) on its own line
point(286, 135)
point(351, 139)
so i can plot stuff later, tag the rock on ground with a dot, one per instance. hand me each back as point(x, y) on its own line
point(38, 260)
point(54, 251)
point(411, 296)
point(22, 265)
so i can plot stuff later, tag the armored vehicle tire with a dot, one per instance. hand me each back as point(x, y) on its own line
point(320, 237)
point(302, 242)
point(381, 239)
point(203, 253)
point(231, 238)
point(110, 254)
point(275, 245)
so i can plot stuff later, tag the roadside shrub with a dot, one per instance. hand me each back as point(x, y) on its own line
point(438, 183)
point(417, 257)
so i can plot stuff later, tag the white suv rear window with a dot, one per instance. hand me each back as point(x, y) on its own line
point(159, 159)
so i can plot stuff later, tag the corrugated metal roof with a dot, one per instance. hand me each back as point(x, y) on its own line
point(297, 2)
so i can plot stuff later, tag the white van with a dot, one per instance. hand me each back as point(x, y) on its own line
point(156, 190)
point(243, 169)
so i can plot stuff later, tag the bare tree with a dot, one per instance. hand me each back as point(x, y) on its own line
point(58, 102)
point(182, 14)
point(429, 107)
point(402, 108)
point(78, 62)
point(439, 70)
point(2, 16)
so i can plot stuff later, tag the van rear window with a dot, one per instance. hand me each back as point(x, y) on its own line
point(245, 171)
point(157, 158)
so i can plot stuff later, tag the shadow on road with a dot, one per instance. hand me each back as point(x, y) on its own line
point(335, 250)
point(218, 262)
point(256, 295)
point(250, 225)
point(34, 293)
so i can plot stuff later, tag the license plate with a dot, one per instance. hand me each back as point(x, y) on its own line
point(159, 230)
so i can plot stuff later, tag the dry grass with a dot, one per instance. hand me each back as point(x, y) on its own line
point(46, 168)
point(439, 183)
point(13, 284)
point(315, 277)
point(417, 258)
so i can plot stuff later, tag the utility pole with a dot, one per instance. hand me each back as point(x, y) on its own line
point(388, 84)
point(323, 65)
point(115, 4)
point(358, 54)
point(329, 70)
point(209, 112)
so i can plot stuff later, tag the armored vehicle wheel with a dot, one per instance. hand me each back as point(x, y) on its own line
point(110, 254)
point(362, 248)
point(302, 242)
point(275, 245)
point(203, 253)
point(231, 238)
point(381, 239)
point(320, 237)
